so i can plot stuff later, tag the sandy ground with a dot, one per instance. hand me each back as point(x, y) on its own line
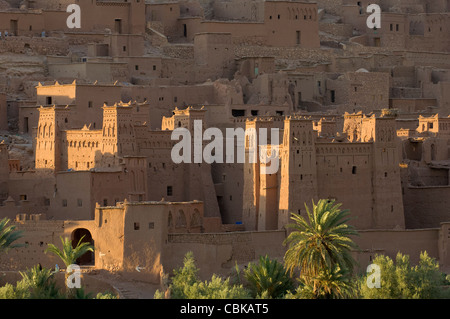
point(128, 289)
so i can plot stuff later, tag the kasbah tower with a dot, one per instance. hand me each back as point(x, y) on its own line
point(87, 117)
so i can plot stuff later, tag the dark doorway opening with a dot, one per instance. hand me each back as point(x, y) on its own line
point(88, 258)
point(13, 27)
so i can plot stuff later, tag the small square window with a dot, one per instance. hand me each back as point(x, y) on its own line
point(136, 67)
point(169, 191)
point(154, 68)
point(64, 202)
point(151, 225)
point(136, 226)
point(79, 202)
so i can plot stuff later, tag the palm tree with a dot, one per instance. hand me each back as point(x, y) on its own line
point(268, 277)
point(39, 283)
point(69, 256)
point(8, 235)
point(328, 284)
point(320, 247)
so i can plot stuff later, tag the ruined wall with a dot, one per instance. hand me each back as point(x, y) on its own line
point(40, 46)
point(331, 6)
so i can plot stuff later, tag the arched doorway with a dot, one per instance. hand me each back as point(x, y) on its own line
point(87, 258)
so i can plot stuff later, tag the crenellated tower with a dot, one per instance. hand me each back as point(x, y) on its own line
point(118, 137)
point(298, 183)
point(387, 193)
point(260, 190)
point(49, 145)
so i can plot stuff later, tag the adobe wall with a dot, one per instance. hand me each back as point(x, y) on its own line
point(28, 118)
point(154, 250)
point(238, 10)
point(86, 100)
point(312, 55)
point(436, 59)
point(390, 242)
point(242, 32)
point(344, 172)
point(331, 6)
point(163, 17)
point(37, 235)
point(37, 188)
point(337, 29)
point(229, 182)
point(72, 198)
point(284, 24)
point(412, 105)
point(218, 253)
point(4, 173)
point(3, 113)
point(426, 206)
point(90, 71)
point(37, 45)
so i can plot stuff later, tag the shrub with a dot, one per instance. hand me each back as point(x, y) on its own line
point(186, 284)
point(400, 280)
point(268, 278)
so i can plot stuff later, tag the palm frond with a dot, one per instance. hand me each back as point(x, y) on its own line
point(322, 242)
point(68, 253)
point(8, 235)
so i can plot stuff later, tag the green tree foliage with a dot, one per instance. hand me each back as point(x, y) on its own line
point(268, 278)
point(105, 295)
point(186, 284)
point(68, 253)
point(320, 248)
point(328, 284)
point(184, 277)
point(39, 283)
point(216, 288)
point(69, 256)
point(36, 283)
point(400, 280)
point(8, 235)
